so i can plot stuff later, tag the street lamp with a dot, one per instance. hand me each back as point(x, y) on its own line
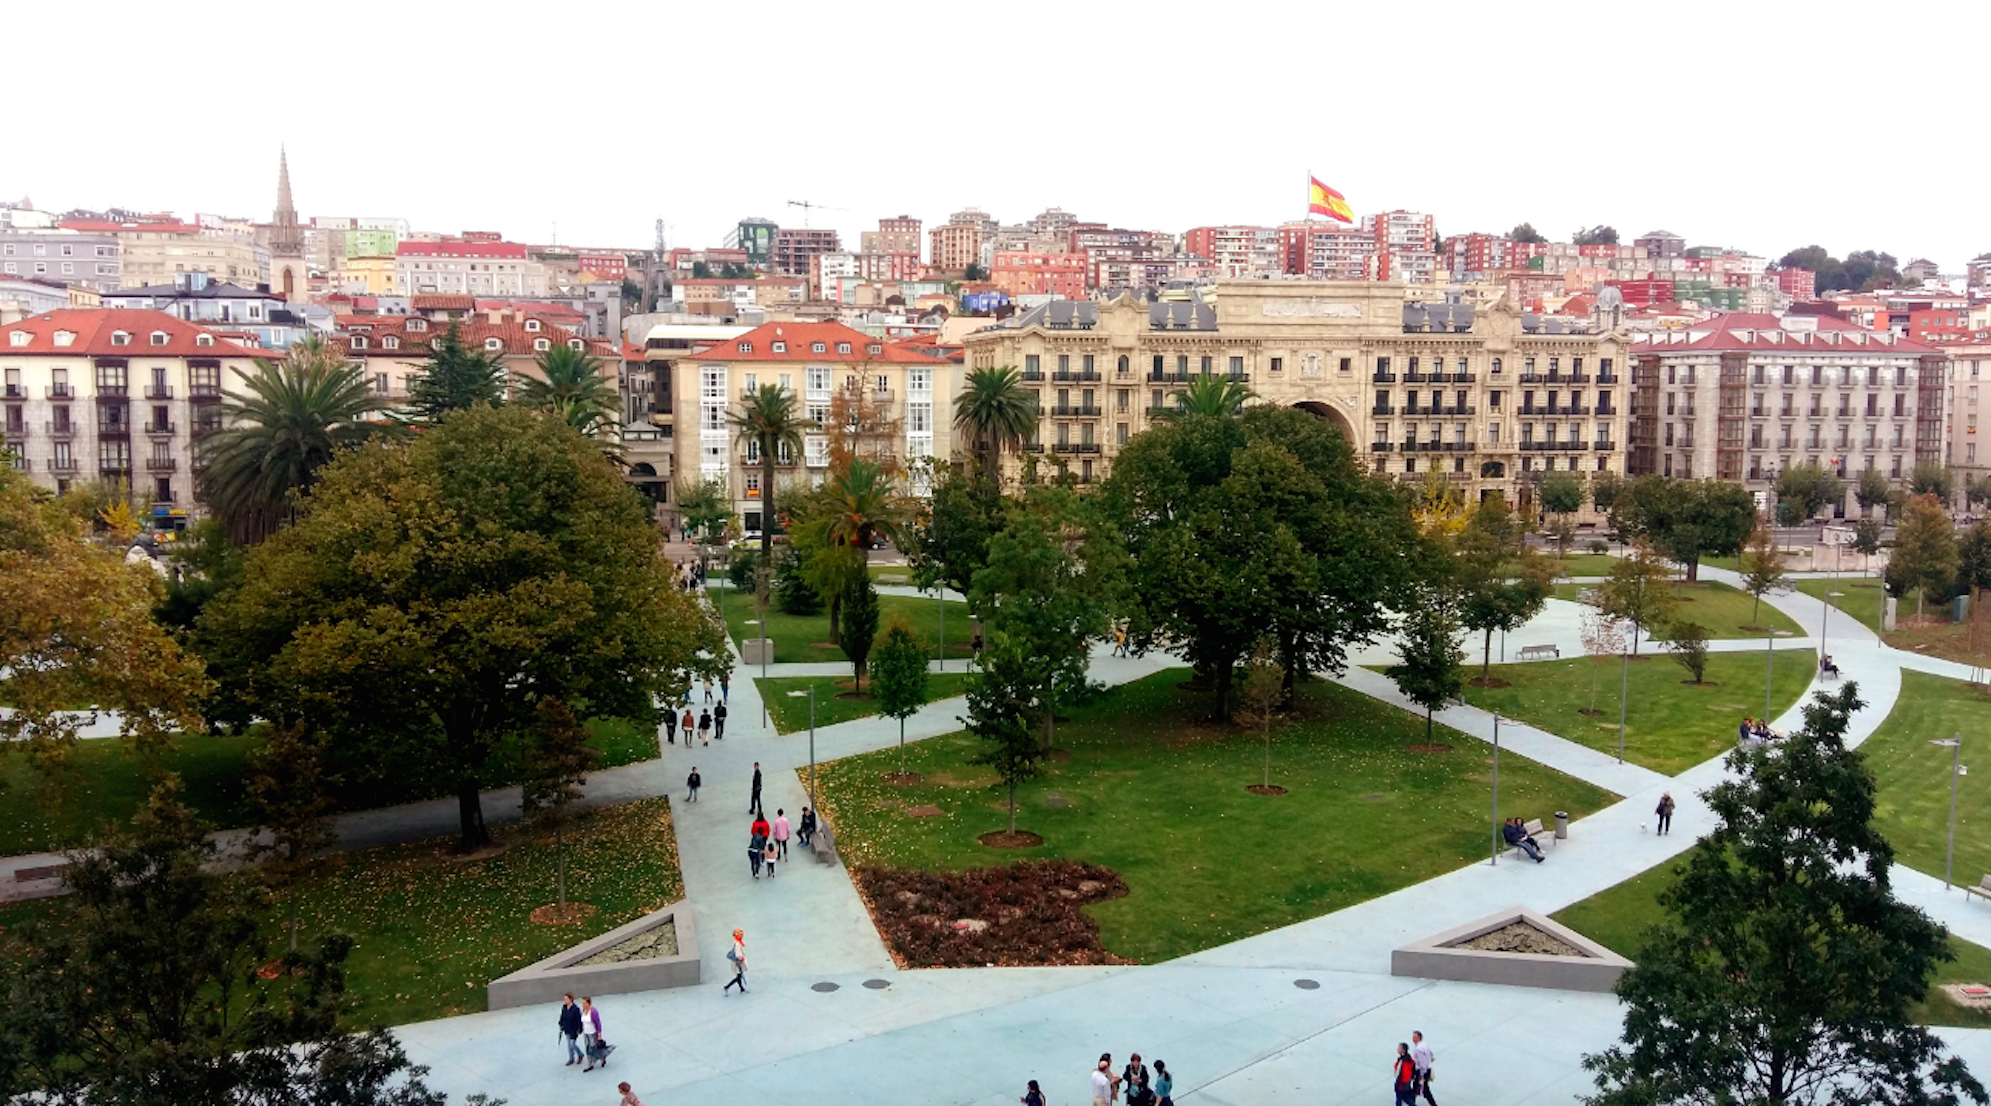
point(811, 693)
point(1494, 860)
point(1954, 743)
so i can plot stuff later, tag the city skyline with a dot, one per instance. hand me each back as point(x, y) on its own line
point(1608, 137)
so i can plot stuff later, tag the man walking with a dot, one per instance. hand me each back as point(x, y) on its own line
point(570, 1027)
point(719, 721)
point(1665, 811)
point(691, 785)
point(1102, 1081)
point(670, 727)
point(725, 688)
point(1404, 1081)
point(1420, 1058)
point(781, 832)
point(753, 803)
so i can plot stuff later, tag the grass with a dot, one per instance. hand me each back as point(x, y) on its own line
point(1618, 918)
point(432, 932)
point(1583, 564)
point(1913, 775)
point(1156, 793)
point(106, 781)
point(1728, 613)
point(1670, 725)
point(1864, 599)
point(1794, 561)
point(802, 639)
point(832, 707)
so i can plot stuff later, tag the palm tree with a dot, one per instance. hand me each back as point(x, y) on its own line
point(1208, 395)
point(995, 410)
point(573, 390)
point(856, 505)
point(291, 419)
point(770, 420)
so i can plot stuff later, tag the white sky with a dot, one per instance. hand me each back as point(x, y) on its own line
point(1748, 123)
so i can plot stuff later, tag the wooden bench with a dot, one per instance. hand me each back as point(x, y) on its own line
point(1828, 673)
point(1982, 890)
point(1537, 652)
point(1546, 838)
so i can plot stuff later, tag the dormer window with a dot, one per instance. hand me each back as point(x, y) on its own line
point(818, 347)
point(874, 351)
point(745, 347)
point(435, 343)
point(21, 338)
point(390, 342)
point(120, 338)
point(159, 338)
point(781, 347)
point(843, 348)
point(493, 345)
point(418, 325)
point(532, 326)
point(359, 342)
point(203, 339)
point(541, 345)
point(576, 345)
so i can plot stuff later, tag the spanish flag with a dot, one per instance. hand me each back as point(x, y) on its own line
point(1322, 200)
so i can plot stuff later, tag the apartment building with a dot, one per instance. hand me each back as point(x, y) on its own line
point(72, 257)
point(1487, 397)
point(955, 246)
point(1064, 275)
point(1967, 418)
point(394, 349)
point(1236, 251)
point(701, 384)
point(1325, 251)
point(114, 394)
point(792, 247)
point(1742, 396)
point(467, 268)
point(895, 235)
point(152, 252)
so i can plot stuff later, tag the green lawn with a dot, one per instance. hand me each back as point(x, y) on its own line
point(1913, 808)
point(1670, 725)
point(1794, 561)
point(1618, 918)
point(1158, 794)
point(107, 782)
point(432, 932)
point(1863, 597)
point(832, 707)
point(802, 639)
point(1722, 609)
point(1583, 564)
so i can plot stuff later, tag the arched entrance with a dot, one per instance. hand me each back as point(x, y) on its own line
point(1325, 410)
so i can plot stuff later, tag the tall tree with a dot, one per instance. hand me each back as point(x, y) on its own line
point(1786, 969)
point(1499, 582)
point(949, 542)
point(1872, 490)
point(288, 421)
point(456, 378)
point(1762, 570)
point(553, 769)
point(1639, 592)
point(994, 412)
point(1808, 488)
point(1690, 649)
point(1263, 690)
point(1219, 396)
point(1925, 553)
point(899, 677)
point(770, 422)
point(1933, 478)
point(1686, 519)
point(1527, 233)
point(1002, 702)
point(836, 526)
point(141, 989)
point(570, 386)
point(1561, 492)
point(703, 506)
point(1605, 488)
point(435, 593)
point(1866, 539)
point(1977, 490)
point(1431, 668)
point(858, 625)
point(1599, 235)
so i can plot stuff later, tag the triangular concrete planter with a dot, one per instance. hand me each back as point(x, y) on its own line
point(1595, 968)
point(554, 976)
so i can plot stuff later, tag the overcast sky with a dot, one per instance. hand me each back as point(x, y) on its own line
point(1746, 123)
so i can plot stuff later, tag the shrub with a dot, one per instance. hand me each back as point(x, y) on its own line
point(1690, 648)
point(1031, 911)
point(793, 593)
point(1599, 547)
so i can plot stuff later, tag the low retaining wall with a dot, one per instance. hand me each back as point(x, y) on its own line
point(552, 977)
point(1435, 957)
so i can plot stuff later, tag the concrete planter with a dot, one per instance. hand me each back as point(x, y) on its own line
point(1595, 968)
point(756, 650)
point(554, 976)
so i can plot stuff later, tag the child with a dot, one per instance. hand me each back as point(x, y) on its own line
point(768, 853)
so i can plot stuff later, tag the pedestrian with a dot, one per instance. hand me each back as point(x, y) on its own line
point(1032, 1096)
point(688, 722)
point(1134, 1081)
point(719, 720)
point(1103, 1080)
point(691, 785)
point(756, 841)
point(1405, 1078)
point(1119, 641)
point(670, 727)
point(597, 1048)
point(706, 686)
point(808, 829)
point(1420, 1058)
point(726, 688)
point(768, 855)
point(738, 955)
point(753, 802)
point(704, 727)
point(781, 832)
point(628, 1096)
point(1164, 1085)
point(1665, 811)
point(570, 1027)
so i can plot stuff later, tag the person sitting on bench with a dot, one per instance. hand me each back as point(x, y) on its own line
point(1514, 835)
point(1826, 666)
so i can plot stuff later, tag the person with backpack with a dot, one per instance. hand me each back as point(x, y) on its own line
point(756, 844)
point(570, 1028)
point(1405, 1081)
point(738, 956)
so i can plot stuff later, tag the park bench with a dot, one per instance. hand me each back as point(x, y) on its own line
point(1982, 890)
point(1827, 672)
point(1537, 652)
point(1546, 838)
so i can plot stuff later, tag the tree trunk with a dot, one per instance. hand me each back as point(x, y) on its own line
point(560, 848)
point(902, 746)
point(1224, 692)
point(1694, 570)
point(836, 609)
point(1486, 656)
point(1427, 725)
point(293, 915)
point(1756, 611)
point(1268, 747)
point(766, 510)
point(470, 816)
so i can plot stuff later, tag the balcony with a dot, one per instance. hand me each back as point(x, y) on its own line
point(158, 391)
point(62, 464)
point(1459, 447)
point(116, 392)
point(1033, 375)
point(15, 431)
point(58, 391)
point(13, 391)
point(1419, 447)
point(1464, 378)
point(1075, 447)
point(1033, 447)
point(1075, 411)
point(201, 430)
point(1382, 412)
point(1577, 377)
point(1384, 377)
point(1158, 377)
point(161, 464)
point(1607, 378)
point(114, 470)
point(1413, 411)
point(1555, 447)
point(1604, 447)
point(1075, 374)
point(114, 428)
point(1572, 409)
point(1381, 447)
point(160, 427)
point(59, 429)
point(204, 393)
point(1456, 409)
point(1604, 412)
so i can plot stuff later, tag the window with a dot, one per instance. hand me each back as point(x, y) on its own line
point(532, 327)
point(874, 350)
point(120, 338)
point(843, 348)
point(494, 344)
point(780, 347)
point(576, 345)
point(1494, 367)
point(160, 338)
point(541, 345)
point(818, 347)
point(745, 347)
point(389, 342)
point(1121, 366)
point(359, 342)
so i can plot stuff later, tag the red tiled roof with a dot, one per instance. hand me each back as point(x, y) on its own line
point(512, 334)
point(444, 303)
point(94, 326)
point(800, 340)
point(1746, 330)
point(102, 226)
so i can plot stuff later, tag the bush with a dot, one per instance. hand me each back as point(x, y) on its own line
point(740, 569)
point(1599, 547)
point(1690, 648)
point(1031, 909)
point(793, 593)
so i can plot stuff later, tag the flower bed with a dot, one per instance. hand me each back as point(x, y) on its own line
point(1013, 915)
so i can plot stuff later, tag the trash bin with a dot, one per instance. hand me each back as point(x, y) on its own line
point(1561, 825)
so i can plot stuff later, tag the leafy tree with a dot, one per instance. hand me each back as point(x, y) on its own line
point(1814, 258)
point(1872, 490)
point(1977, 490)
point(289, 421)
point(1208, 395)
point(1860, 271)
point(1690, 648)
point(1762, 570)
point(899, 677)
point(1599, 235)
point(793, 592)
point(1786, 969)
point(950, 542)
point(770, 421)
point(1639, 592)
point(141, 989)
point(1974, 557)
point(994, 411)
point(974, 272)
point(1002, 701)
point(1264, 689)
point(1602, 637)
point(1686, 519)
point(1866, 539)
point(840, 521)
point(734, 270)
point(1931, 478)
point(205, 564)
point(553, 768)
point(570, 386)
point(1561, 493)
point(1810, 488)
point(1925, 553)
point(1500, 583)
point(704, 508)
point(1431, 669)
point(1604, 490)
point(1526, 232)
point(76, 627)
point(456, 378)
point(291, 797)
point(701, 271)
point(858, 624)
point(434, 593)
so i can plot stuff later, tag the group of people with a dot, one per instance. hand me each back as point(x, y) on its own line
point(1515, 833)
point(767, 842)
point(580, 1028)
point(690, 576)
point(1134, 1085)
point(1756, 730)
point(1412, 1074)
point(710, 721)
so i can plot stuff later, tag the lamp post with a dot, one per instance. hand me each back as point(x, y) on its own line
point(811, 693)
point(1494, 860)
point(1954, 744)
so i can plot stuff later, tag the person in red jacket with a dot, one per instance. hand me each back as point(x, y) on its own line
point(1406, 1077)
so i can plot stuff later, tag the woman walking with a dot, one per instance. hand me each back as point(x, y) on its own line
point(687, 722)
point(591, 1026)
point(738, 955)
point(1164, 1085)
point(1665, 811)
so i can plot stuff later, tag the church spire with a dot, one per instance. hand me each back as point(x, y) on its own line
point(286, 239)
point(286, 212)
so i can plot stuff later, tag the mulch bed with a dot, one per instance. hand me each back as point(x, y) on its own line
point(1434, 747)
point(1010, 839)
point(1012, 915)
point(1265, 789)
point(572, 914)
point(927, 810)
point(901, 779)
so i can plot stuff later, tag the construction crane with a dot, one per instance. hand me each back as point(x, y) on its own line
point(807, 207)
